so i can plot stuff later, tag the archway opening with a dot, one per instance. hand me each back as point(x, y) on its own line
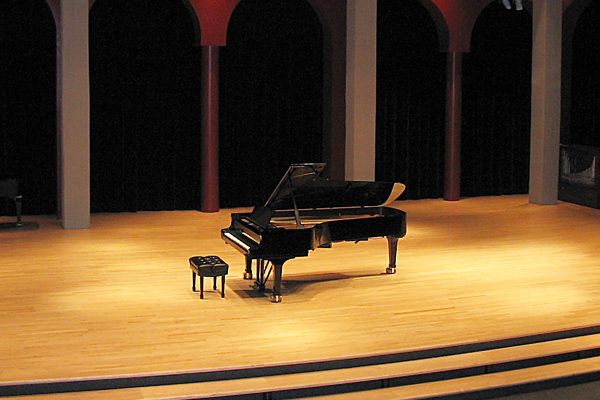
point(411, 89)
point(28, 103)
point(271, 97)
point(585, 93)
point(145, 106)
point(497, 104)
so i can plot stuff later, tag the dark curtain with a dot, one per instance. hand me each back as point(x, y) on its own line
point(585, 95)
point(28, 103)
point(145, 106)
point(271, 97)
point(497, 104)
point(411, 87)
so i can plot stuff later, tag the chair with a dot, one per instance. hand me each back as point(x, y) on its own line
point(211, 266)
point(9, 188)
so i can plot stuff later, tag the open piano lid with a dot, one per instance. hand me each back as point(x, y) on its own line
point(303, 187)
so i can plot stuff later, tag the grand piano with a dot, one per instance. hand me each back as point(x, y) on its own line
point(307, 211)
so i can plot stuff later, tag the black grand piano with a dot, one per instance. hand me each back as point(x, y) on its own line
point(307, 211)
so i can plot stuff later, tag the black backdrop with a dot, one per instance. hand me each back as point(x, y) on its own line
point(28, 103)
point(411, 87)
point(145, 75)
point(497, 104)
point(271, 97)
point(585, 95)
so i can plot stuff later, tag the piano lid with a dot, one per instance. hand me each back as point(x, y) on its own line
point(303, 185)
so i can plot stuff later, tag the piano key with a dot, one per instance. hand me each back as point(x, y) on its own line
point(237, 241)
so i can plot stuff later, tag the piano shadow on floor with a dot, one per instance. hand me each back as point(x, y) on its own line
point(307, 284)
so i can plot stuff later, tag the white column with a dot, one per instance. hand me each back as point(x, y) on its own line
point(73, 102)
point(545, 101)
point(361, 80)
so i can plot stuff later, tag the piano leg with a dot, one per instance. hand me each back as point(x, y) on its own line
point(248, 271)
point(278, 268)
point(392, 248)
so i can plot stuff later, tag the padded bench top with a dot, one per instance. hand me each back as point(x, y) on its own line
point(208, 265)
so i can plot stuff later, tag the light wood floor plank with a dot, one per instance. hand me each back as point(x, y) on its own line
point(116, 299)
point(279, 383)
point(461, 386)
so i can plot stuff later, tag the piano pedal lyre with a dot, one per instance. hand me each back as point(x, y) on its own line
point(263, 270)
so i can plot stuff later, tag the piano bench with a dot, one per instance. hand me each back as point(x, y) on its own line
point(210, 266)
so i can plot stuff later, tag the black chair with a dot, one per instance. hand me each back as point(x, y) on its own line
point(211, 266)
point(9, 188)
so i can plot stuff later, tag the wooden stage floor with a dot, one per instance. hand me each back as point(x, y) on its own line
point(116, 299)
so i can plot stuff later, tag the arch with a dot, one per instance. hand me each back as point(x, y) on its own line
point(145, 106)
point(332, 16)
point(55, 8)
point(585, 78)
point(214, 17)
point(440, 22)
point(410, 99)
point(194, 20)
point(459, 17)
point(28, 102)
point(271, 96)
point(571, 14)
point(497, 104)
point(572, 11)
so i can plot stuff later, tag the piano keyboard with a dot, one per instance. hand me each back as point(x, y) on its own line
point(238, 241)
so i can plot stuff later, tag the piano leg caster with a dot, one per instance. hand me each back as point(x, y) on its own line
point(276, 298)
point(247, 276)
point(390, 270)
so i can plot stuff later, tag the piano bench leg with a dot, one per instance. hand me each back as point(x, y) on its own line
point(193, 281)
point(215, 283)
point(201, 286)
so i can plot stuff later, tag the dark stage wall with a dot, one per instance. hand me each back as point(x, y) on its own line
point(28, 103)
point(585, 90)
point(497, 104)
point(411, 87)
point(271, 97)
point(145, 69)
point(145, 106)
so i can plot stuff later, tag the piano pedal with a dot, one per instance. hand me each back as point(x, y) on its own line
point(259, 286)
point(390, 270)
